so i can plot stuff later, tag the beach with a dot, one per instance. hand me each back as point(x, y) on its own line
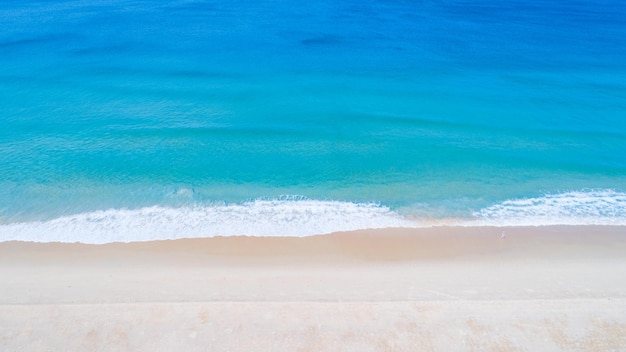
point(548, 288)
point(281, 175)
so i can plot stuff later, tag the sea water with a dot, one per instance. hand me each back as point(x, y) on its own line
point(128, 120)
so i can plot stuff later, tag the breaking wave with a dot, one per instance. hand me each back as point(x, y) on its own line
point(290, 217)
point(587, 207)
point(298, 216)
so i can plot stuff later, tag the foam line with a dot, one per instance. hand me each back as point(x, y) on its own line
point(295, 216)
point(257, 218)
point(587, 207)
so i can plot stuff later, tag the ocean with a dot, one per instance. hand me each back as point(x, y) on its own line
point(129, 120)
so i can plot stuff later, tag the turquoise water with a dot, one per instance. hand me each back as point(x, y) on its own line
point(135, 120)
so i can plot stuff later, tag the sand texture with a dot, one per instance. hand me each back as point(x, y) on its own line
point(442, 289)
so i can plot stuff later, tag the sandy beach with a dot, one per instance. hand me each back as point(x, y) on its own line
point(552, 288)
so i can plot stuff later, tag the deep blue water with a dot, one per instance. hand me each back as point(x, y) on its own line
point(129, 120)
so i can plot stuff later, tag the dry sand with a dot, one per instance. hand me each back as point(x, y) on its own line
point(441, 289)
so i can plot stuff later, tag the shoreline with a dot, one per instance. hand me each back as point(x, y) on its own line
point(541, 288)
point(296, 217)
point(393, 244)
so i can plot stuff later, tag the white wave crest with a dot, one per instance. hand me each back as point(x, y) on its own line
point(298, 216)
point(588, 207)
point(281, 217)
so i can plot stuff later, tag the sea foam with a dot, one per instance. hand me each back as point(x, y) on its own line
point(255, 218)
point(586, 207)
point(293, 216)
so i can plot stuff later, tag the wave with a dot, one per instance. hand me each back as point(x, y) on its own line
point(587, 207)
point(298, 216)
point(278, 217)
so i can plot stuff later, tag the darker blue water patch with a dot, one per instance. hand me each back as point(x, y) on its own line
point(23, 42)
point(38, 42)
point(322, 40)
point(537, 33)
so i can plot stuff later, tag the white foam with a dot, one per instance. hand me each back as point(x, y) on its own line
point(294, 216)
point(587, 207)
point(282, 217)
